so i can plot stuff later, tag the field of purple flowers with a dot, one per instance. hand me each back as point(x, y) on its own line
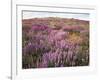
point(54, 42)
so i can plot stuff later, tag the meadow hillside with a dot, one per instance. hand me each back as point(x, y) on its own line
point(54, 42)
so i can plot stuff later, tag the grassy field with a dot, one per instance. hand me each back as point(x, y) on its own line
point(54, 42)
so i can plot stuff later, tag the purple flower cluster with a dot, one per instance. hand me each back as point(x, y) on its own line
point(40, 27)
point(46, 47)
